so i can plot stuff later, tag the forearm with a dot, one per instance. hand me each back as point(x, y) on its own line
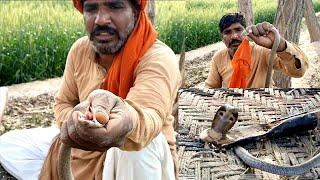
point(61, 112)
point(65, 101)
point(147, 124)
point(292, 61)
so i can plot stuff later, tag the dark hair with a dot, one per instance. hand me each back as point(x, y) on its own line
point(231, 18)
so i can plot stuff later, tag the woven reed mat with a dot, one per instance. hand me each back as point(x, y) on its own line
point(197, 108)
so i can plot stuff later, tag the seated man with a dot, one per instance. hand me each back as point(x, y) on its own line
point(289, 58)
point(140, 77)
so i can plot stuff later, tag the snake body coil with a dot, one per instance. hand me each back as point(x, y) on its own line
point(64, 166)
point(254, 162)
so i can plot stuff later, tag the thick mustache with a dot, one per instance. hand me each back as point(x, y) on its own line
point(99, 29)
point(234, 42)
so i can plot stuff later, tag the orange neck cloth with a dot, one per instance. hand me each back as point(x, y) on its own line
point(241, 65)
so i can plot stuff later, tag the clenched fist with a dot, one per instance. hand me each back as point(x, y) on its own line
point(261, 34)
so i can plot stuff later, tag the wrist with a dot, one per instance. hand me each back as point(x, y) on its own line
point(133, 115)
point(282, 45)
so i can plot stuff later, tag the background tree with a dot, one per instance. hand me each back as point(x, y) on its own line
point(288, 22)
point(245, 7)
point(312, 22)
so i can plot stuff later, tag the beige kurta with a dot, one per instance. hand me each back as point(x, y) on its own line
point(221, 68)
point(150, 101)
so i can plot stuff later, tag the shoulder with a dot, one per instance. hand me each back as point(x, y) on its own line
point(160, 53)
point(81, 49)
point(81, 43)
point(160, 49)
point(220, 56)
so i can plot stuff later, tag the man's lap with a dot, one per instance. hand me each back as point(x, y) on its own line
point(22, 153)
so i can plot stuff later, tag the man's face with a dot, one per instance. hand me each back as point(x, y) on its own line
point(108, 23)
point(232, 37)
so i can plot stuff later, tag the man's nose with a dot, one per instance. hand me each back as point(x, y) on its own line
point(235, 35)
point(103, 18)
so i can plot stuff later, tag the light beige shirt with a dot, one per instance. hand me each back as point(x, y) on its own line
point(221, 68)
point(150, 100)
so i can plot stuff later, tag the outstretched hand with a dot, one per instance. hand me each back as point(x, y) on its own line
point(78, 131)
point(262, 35)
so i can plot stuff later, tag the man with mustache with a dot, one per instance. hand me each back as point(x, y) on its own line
point(140, 78)
point(290, 59)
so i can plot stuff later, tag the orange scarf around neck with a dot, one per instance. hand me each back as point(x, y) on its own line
point(241, 65)
point(120, 76)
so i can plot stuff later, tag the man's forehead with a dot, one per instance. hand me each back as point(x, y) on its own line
point(234, 26)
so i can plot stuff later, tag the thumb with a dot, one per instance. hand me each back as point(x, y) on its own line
point(101, 104)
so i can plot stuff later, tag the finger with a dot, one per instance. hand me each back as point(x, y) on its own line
point(261, 30)
point(74, 131)
point(87, 123)
point(249, 30)
point(119, 107)
point(115, 116)
point(88, 114)
point(82, 107)
point(252, 36)
point(102, 101)
point(255, 31)
point(267, 27)
point(64, 136)
point(250, 33)
point(92, 135)
point(90, 123)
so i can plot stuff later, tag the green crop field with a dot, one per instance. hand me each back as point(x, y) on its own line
point(35, 36)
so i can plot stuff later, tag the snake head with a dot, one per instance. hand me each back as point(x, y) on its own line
point(223, 121)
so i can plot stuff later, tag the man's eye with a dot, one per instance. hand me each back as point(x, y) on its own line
point(90, 8)
point(115, 6)
point(226, 32)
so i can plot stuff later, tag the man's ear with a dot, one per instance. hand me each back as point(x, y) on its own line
point(135, 10)
point(136, 16)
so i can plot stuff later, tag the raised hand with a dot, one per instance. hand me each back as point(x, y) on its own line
point(262, 35)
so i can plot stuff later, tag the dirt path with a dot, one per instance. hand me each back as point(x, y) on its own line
point(30, 105)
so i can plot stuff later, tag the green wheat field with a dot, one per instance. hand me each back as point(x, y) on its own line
point(35, 36)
